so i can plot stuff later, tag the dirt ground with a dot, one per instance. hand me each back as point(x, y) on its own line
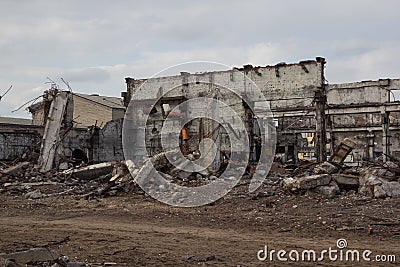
point(135, 230)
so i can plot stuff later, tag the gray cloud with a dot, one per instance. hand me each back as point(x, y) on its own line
point(95, 44)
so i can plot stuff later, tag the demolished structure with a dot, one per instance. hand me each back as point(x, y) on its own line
point(67, 129)
point(284, 86)
point(352, 123)
point(18, 136)
point(89, 124)
point(311, 116)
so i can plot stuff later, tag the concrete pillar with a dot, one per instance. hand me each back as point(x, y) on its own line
point(385, 135)
point(320, 130)
point(295, 153)
point(371, 144)
point(286, 158)
point(51, 136)
point(216, 136)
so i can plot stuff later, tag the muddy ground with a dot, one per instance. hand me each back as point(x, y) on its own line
point(135, 230)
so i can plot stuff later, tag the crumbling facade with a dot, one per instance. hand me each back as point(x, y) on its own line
point(311, 116)
point(285, 86)
point(69, 128)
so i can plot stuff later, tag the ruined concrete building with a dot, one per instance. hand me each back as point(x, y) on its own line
point(67, 128)
point(286, 87)
point(78, 127)
point(311, 116)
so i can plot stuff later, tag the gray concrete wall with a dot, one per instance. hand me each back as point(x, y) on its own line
point(361, 92)
point(17, 139)
point(285, 86)
point(107, 144)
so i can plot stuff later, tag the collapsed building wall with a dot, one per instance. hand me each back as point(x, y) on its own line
point(21, 136)
point(68, 139)
point(292, 91)
point(311, 117)
point(186, 87)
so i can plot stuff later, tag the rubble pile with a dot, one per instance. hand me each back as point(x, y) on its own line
point(98, 180)
point(113, 178)
point(179, 170)
point(380, 182)
point(333, 177)
point(329, 178)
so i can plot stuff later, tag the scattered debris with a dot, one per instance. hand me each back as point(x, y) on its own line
point(16, 169)
point(330, 178)
point(91, 171)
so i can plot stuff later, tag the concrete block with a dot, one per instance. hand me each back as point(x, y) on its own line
point(381, 188)
point(346, 180)
point(92, 171)
point(343, 150)
point(329, 191)
point(392, 189)
point(325, 167)
point(308, 182)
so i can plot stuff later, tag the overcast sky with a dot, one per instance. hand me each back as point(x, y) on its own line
point(94, 45)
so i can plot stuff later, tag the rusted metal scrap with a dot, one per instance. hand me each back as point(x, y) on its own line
point(343, 150)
